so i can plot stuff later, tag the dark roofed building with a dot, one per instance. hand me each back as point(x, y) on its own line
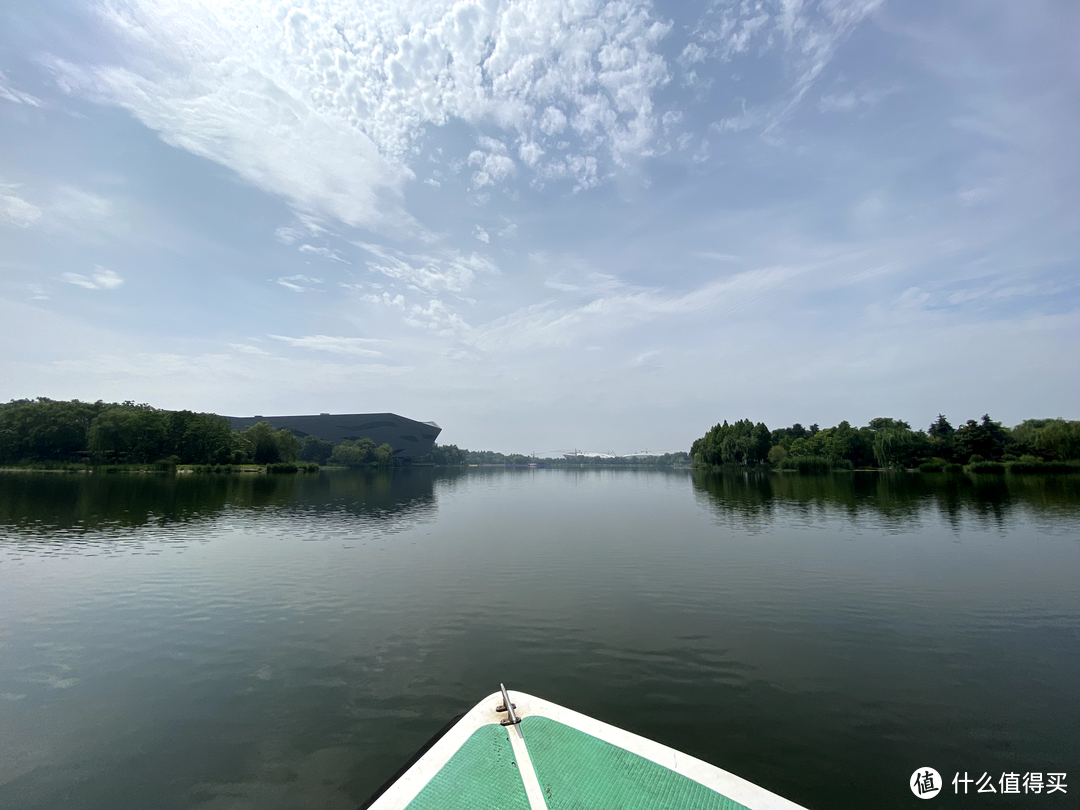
point(409, 438)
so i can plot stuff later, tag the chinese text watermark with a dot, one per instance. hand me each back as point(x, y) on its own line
point(926, 783)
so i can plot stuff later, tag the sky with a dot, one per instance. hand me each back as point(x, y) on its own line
point(546, 225)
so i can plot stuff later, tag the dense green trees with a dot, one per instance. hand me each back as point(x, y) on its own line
point(362, 453)
point(264, 445)
point(890, 443)
point(445, 455)
point(742, 442)
point(139, 434)
point(986, 438)
point(316, 450)
point(450, 455)
point(1048, 439)
point(43, 430)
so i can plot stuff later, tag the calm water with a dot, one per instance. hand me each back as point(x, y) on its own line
point(272, 642)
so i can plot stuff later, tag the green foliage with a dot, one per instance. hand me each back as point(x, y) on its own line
point(631, 462)
point(314, 449)
point(445, 455)
point(888, 443)
point(986, 438)
point(198, 438)
point(1030, 465)
point(888, 423)
point(132, 434)
point(940, 437)
point(986, 467)
point(362, 453)
point(1050, 439)
point(809, 465)
point(785, 436)
point(289, 467)
point(45, 430)
point(897, 448)
point(484, 457)
point(264, 445)
point(741, 442)
point(489, 458)
point(842, 443)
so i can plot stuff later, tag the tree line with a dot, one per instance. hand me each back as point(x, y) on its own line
point(450, 455)
point(892, 444)
point(49, 431)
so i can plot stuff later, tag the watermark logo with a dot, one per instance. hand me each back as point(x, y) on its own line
point(925, 783)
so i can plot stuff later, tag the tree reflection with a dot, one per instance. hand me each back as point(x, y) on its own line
point(39, 505)
point(893, 499)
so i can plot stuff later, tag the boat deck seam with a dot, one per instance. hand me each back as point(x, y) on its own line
point(525, 767)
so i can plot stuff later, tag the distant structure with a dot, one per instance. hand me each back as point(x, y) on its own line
point(409, 438)
point(611, 454)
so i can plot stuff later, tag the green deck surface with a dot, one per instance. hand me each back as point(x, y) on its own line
point(482, 775)
point(580, 772)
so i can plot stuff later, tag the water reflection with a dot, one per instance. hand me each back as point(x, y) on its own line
point(40, 507)
point(889, 500)
point(182, 642)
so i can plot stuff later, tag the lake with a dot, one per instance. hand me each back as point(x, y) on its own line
point(246, 641)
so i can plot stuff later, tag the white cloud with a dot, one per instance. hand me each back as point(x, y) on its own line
point(671, 118)
point(808, 34)
point(447, 271)
point(324, 252)
point(482, 235)
point(9, 93)
point(530, 152)
point(975, 196)
point(247, 348)
point(852, 99)
point(614, 306)
point(76, 205)
point(304, 227)
point(36, 291)
point(100, 279)
point(553, 121)
point(385, 300)
point(438, 318)
point(324, 103)
point(692, 54)
point(493, 163)
point(644, 359)
point(582, 168)
point(334, 345)
point(14, 210)
point(298, 283)
point(63, 208)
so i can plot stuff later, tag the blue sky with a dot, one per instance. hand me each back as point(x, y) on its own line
point(544, 225)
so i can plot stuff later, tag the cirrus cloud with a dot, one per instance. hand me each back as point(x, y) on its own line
point(100, 279)
point(334, 345)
